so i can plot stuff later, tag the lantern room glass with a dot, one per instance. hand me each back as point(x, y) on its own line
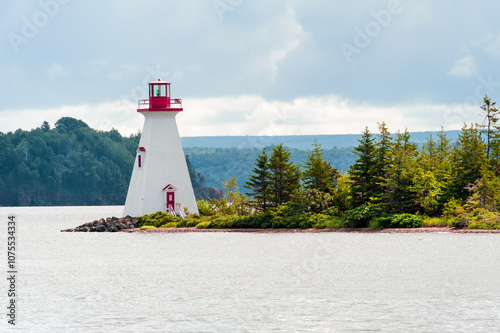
point(159, 90)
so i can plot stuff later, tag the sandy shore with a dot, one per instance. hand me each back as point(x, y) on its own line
point(360, 230)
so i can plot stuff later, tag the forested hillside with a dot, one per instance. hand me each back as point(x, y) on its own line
point(70, 164)
point(303, 142)
point(73, 164)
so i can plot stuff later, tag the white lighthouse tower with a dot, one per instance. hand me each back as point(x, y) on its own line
point(160, 180)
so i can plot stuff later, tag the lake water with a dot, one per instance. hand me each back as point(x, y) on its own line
point(244, 282)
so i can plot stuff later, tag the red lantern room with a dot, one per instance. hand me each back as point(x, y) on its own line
point(159, 98)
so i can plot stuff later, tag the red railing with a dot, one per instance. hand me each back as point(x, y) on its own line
point(143, 104)
point(174, 103)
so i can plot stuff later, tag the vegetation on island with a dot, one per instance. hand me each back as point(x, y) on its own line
point(71, 164)
point(392, 184)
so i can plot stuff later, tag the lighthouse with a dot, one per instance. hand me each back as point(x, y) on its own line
point(160, 179)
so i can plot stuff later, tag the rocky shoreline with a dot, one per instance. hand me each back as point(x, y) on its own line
point(129, 224)
point(110, 224)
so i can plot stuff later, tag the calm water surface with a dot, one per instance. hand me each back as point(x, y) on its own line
point(243, 282)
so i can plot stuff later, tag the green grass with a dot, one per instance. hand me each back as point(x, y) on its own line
point(437, 222)
point(145, 227)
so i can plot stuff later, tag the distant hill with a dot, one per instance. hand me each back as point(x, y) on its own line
point(219, 164)
point(294, 141)
point(73, 164)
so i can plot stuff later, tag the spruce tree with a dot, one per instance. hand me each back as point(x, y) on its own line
point(258, 182)
point(361, 173)
point(491, 129)
point(489, 125)
point(319, 174)
point(284, 176)
point(468, 162)
point(429, 179)
point(382, 159)
point(399, 175)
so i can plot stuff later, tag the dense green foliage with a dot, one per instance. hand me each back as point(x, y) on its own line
point(392, 184)
point(70, 164)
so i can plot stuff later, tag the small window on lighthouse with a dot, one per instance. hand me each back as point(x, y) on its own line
point(141, 151)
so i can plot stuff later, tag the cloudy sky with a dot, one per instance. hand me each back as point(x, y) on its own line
point(251, 67)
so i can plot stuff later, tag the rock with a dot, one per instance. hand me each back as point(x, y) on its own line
point(110, 224)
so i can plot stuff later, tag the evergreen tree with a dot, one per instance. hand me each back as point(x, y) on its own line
point(428, 158)
point(443, 156)
point(258, 182)
point(361, 173)
point(319, 174)
point(429, 179)
point(45, 126)
point(398, 182)
point(342, 196)
point(468, 162)
point(490, 120)
point(491, 129)
point(284, 176)
point(382, 159)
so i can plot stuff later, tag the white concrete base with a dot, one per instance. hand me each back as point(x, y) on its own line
point(162, 163)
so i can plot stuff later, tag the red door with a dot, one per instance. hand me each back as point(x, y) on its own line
point(170, 200)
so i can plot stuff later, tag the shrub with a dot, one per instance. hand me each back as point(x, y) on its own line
point(332, 211)
point(375, 224)
point(399, 221)
point(205, 208)
point(169, 225)
point(453, 208)
point(189, 222)
point(478, 218)
point(407, 221)
point(203, 225)
point(319, 221)
point(145, 227)
point(360, 216)
point(157, 219)
point(335, 223)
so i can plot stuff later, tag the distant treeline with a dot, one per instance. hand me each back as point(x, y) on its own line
point(71, 164)
point(219, 164)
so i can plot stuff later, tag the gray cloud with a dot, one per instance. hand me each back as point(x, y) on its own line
point(97, 52)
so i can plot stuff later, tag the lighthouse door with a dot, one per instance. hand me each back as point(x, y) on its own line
point(170, 200)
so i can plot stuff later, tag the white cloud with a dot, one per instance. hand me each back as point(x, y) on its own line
point(280, 53)
point(493, 47)
point(464, 67)
point(253, 115)
point(56, 70)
